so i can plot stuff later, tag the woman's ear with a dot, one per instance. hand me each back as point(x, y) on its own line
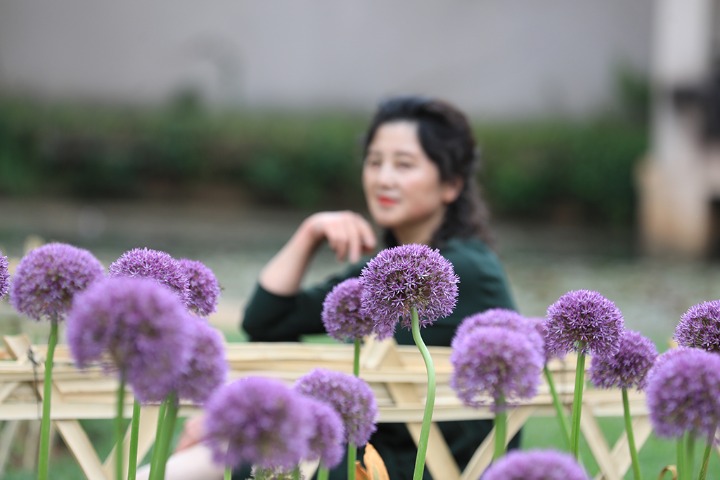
point(452, 189)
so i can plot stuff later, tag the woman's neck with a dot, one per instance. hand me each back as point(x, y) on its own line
point(419, 233)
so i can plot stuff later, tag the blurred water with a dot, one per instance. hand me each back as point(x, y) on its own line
point(542, 262)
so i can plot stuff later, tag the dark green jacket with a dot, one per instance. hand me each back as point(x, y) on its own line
point(483, 285)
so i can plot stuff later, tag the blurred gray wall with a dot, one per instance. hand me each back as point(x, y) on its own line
point(496, 58)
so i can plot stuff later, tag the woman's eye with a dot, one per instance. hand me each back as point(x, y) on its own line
point(404, 165)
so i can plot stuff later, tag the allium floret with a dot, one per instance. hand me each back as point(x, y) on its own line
point(405, 277)
point(498, 362)
point(536, 465)
point(48, 277)
point(258, 421)
point(629, 367)
point(341, 313)
point(140, 324)
point(4, 275)
point(683, 394)
point(148, 263)
point(350, 396)
point(584, 316)
point(203, 286)
point(328, 438)
point(206, 369)
point(699, 327)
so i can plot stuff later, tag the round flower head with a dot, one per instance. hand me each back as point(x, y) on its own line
point(683, 394)
point(328, 438)
point(540, 325)
point(206, 368)
point(403, 277)
point(341, 313)
point(258, 421)
point(584, 316)
point(203, 287)
point(4, 275)
point(661, 359)
point(628, 368)
point(498, 317)
point(350, 396)
point(142, 326)
point(536, 465)
point(48, 277)
point(160, 266)
point(495, 361)
point(699, 327)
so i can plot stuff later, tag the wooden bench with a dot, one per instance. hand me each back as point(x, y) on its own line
point(395, 373)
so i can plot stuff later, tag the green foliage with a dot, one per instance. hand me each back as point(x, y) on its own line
point(582, 170)
point(541, 169)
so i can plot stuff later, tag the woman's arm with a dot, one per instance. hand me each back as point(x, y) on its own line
point(348, 234)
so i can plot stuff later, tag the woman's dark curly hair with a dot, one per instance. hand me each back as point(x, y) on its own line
point(447, 138)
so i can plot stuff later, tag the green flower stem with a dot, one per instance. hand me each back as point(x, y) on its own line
point(356, 358)
point(689, 455)
point(158, 432)
point(562, 418)
point(500, 428)
point(323, 473)
point(296, 473)
point(706, 458)
point(351, 457)
point(167, 433)
point(430, 397)
point(630, 435)
point(134, 432)
point(44, 451)
point(228, 473)
point(577, 401)
point(681, 458)
point(119, 430)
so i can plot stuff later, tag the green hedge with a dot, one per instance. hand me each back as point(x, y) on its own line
point(531, 169)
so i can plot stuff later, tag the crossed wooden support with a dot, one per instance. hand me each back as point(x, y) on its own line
point(395, 373)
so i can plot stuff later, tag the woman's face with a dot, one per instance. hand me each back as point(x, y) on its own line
point(402, 185)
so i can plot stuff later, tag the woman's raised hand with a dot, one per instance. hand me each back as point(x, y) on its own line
point(347, 233)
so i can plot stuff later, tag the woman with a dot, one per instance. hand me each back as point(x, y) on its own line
point(418, 176)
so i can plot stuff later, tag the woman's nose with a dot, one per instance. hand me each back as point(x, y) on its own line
point(386, 174)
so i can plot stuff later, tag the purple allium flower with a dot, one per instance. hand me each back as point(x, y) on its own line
point(206, 368)
point(584, 316)
point(403, 277)
point(48, 277)
point(496, 361)
point(258, 421)
point(350, 396)
point(540, 324)
point(498, 317)
point(328, 439)
point(628, 368)
point(536, 465)
point(4, 275)
point(141, 324)
point(683, 393)
point(699, 327)
point(148, 263)
point(203, 286)
point(341, 312)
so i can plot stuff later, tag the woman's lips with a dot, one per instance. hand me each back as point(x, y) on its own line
point(386, 201)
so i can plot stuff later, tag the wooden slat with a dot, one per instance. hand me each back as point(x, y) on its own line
point(395, 373)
